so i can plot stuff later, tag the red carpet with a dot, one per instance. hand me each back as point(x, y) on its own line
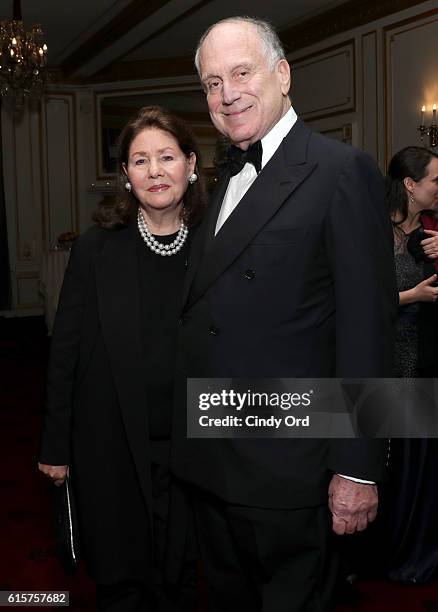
point(27, 559)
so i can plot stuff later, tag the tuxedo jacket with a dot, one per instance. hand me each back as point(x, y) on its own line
point(298, 282)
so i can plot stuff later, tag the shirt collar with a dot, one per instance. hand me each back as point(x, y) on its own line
point(273, 139)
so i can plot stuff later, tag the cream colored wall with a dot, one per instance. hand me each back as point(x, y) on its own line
point(373, 79)
point(412, 77)
point(366, 85)
point(24, 206)
point(48, 164)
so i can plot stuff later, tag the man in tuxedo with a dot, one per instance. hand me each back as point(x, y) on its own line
point(290, 275)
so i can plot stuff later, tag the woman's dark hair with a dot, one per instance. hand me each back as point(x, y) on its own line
point(126, 204)
point(408, 162)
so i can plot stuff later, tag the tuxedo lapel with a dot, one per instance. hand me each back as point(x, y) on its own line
point(205, 233)
point(117, 279)
point(286, 170)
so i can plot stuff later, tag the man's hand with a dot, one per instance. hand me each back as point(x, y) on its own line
point(353, 505)
point(56, 473)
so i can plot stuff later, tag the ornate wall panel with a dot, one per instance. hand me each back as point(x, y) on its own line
point(411, 78)
point(370, 103)
point(60, 175)
point(323, 84)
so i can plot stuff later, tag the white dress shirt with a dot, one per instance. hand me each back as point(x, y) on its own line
point(240, 183)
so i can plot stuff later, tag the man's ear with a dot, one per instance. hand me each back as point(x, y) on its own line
point(283, 71)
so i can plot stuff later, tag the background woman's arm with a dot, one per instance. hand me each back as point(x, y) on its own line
point(423, 292)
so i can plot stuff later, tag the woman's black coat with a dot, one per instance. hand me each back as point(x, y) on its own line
point(96, 419)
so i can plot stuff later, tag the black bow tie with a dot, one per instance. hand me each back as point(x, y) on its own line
point(238, 158)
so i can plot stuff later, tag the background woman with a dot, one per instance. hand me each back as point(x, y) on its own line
point(412, 189)
point(110, 379)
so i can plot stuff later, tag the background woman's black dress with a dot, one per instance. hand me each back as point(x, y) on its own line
point(412, 491)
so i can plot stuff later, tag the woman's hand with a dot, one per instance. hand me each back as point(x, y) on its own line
point(430, 245)
point(56, 473)
point(423, 292)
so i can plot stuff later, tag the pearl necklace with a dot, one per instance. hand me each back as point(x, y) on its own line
point(158, 247)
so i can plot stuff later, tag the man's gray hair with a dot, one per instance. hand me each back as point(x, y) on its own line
point(269, 39)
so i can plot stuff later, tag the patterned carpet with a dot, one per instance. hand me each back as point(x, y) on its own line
point(27, 557)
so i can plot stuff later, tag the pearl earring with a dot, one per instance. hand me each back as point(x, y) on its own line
point(411, 198)
point(193, 178)
point(128, 186)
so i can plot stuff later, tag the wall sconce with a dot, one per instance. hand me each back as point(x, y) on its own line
point(430, 130)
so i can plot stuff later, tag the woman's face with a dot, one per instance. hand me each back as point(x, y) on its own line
point(425, 191)
point(158, 170)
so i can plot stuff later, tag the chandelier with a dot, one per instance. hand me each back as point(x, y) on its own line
point(23, 60)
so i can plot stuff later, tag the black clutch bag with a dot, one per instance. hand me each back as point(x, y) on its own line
point(66, 526)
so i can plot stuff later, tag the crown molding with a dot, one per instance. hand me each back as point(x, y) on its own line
point(346, 16)
point(146, 69)
point(129, 17)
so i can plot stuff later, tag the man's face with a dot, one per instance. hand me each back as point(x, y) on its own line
point(245, 97)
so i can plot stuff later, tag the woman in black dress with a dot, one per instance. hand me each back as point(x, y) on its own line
point(110, 378)
point(412, 188)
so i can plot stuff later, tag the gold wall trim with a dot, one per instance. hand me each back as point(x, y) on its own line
point(19, 247)
point(373, 34)
point(345, 128)
point(68, 98)
point(44, 235)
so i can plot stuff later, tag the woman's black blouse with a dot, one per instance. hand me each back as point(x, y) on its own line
point(161, 281)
